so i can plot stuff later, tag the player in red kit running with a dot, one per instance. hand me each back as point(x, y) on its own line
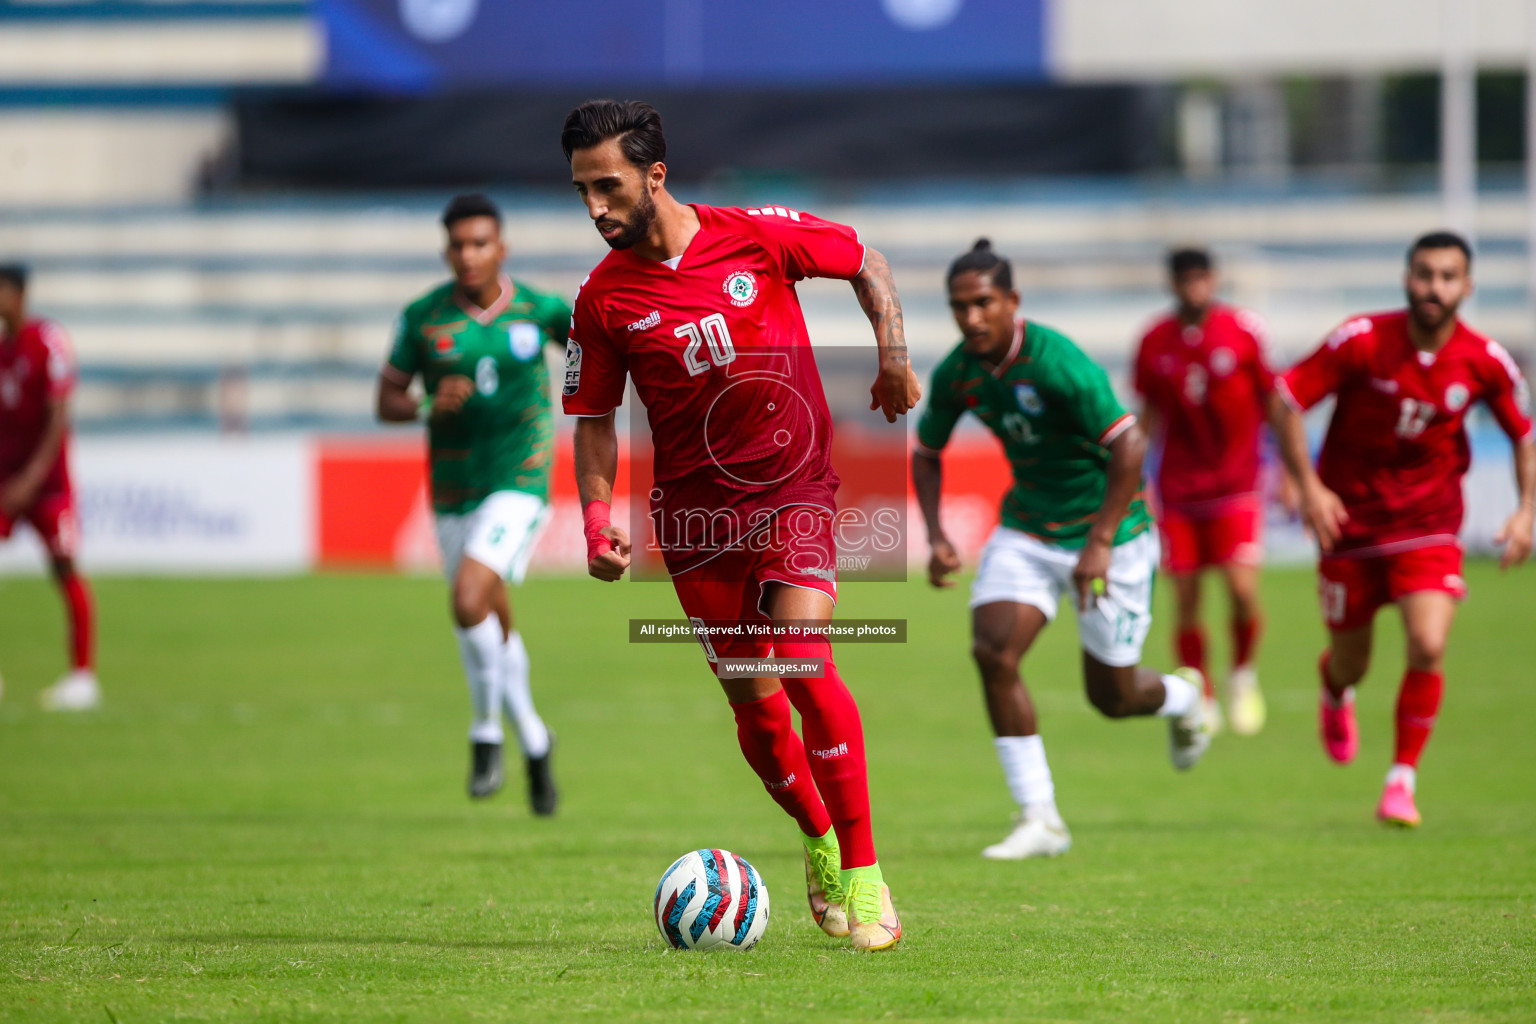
point(37, 373)
point(1205, 379)
point(1385, 500)
point(697, 306)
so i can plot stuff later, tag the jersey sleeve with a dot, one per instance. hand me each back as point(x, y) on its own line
point(940, 414)
point(1085, 387)
point(1141, 369)
point(554, 317)
point(1508, 396)
point(404, 359)
point(1321, 373)
point(1263, 361)
point(807, 246)
point(595, 367)
point(61, 370)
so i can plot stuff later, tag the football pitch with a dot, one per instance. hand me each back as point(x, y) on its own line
point(267, 821)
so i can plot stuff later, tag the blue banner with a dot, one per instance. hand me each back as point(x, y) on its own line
point(424, 46)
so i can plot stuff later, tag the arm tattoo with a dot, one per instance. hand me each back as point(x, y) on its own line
point(877, 295)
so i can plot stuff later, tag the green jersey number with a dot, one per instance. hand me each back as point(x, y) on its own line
point(487, 379)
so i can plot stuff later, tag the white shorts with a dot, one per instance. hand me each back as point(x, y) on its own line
point(499, 534)
point(1025, 570)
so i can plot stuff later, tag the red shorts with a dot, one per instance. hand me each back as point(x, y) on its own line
point(1352, 589)
point(53, 517)
point(1233, 534)
point(726, 595)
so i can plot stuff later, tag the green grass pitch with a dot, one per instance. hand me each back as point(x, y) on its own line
point(267, 822)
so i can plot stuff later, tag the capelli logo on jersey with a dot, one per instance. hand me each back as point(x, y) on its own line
point(651, 319)
point(741, 288)
point(830, 752)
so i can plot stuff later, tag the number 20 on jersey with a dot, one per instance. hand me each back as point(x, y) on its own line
point(711, 333)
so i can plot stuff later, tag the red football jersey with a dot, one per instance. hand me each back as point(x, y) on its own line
point(1396, 447)
point(36, 366)
point(1209, 383)
point(720, 357)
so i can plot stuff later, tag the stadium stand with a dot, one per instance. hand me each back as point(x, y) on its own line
point(285, 306)
point(122, 101)
point(253, 312)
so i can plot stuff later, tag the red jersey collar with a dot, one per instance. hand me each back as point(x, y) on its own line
point(1422, 356)
point(642, 261)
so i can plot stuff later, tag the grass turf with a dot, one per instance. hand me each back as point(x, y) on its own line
point(267, 822)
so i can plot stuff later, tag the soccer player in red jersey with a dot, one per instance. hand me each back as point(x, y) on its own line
point(1385, 500)
point(1205, 380)
point(37, 373)
point(697, 306)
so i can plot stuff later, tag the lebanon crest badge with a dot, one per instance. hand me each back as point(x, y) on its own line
point(741, 287)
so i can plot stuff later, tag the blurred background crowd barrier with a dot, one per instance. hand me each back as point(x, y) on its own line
point(226, 203)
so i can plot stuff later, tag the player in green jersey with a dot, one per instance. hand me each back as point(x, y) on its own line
point(1073, 523)
point(478, 342)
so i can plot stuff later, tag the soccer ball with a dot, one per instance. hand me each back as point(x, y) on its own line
point(711, 899)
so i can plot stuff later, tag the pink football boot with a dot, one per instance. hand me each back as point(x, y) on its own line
point(1336, 726)
point(1397, 806)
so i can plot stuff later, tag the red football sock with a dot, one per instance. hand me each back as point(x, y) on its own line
point(1191, 644)
point(1418, 702)
point(834, 737)
point(766, 732)
point(1245, 637)
point(82, 628)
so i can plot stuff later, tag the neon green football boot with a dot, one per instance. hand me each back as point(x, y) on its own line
point(824, 884)
point(872, 921)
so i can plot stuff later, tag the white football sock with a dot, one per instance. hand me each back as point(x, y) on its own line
point(480, 651)
point(1343, 700)
point(1179, 695)
point(1405, 774)
point(517, 699)
point(1028, 775)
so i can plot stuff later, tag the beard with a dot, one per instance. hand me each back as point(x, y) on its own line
point(638, 227)
point(1430, 316)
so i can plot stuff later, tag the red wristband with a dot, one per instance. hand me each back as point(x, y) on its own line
point(595, 519)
